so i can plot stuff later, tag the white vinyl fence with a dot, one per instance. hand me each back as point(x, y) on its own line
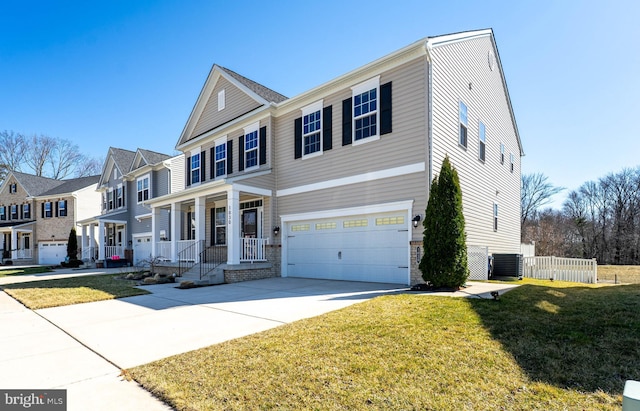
point(562, 269)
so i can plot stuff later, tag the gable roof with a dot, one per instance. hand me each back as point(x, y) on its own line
point(122, 158)
point(75, 184)
point(34, 185)
point(147, 158)
point(263, 96)
point(264, 92)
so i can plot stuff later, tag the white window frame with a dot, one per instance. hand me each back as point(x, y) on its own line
point(13, 188)
point(373, 83)
point(140, 190)
point(463, 121)
point(221, 100)
point(482, 141)
point(26, 211)
point(48, 213)
point(512, 160)
point(119, 196)
point(3, 213)
point(495, 216)
point(195, 154)
point(62, 208)
point(253, 128)
point(501, 153)
point(11, 213)
point(218, 143)
point(308, 110)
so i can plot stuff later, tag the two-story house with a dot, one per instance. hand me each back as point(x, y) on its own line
point(38, 213)
point(333, 183)
point(124, 223)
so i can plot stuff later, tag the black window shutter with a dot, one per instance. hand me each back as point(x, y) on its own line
point(56, 208)
point(263, 145)
point(212, 165)
point(240, 153)
point(188, 170)
point(21, 212)
point(229, 157)
point(327, 125)
point(203, 162)
point(297, 142)
point(124, 190)
point(385, 108)
point(346, 122)
point(42, 210)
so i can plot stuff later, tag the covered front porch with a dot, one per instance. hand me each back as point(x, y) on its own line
point(103, 239)
point(213, 224)
point(17, 242)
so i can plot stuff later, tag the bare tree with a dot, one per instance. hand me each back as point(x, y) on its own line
point(12, 152)
point(536, 192)
point(89, 167)
point(39, 153)
point(63, 159)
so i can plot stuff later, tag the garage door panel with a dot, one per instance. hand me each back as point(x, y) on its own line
point(336, 249)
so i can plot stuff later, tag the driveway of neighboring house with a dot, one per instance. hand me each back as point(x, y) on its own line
point(81, 347)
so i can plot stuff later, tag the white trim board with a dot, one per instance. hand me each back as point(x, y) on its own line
point(359, 178)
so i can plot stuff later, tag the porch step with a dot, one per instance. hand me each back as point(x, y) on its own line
point(214, 277)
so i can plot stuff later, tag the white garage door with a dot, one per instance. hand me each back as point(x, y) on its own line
point(141, 249)
point(372, 248)
point(52, 253)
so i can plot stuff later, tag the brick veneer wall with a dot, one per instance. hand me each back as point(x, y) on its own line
point(416, 274)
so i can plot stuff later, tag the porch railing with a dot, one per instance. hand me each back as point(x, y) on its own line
point(163, 250)
point(188, 254)
point(24, 254)
point(211, 257)
point(111, 250)
point(89, 254)
point(253, 249)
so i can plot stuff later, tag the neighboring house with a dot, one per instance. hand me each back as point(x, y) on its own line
point(333, 183)
point(38, 213)
point(129, 179)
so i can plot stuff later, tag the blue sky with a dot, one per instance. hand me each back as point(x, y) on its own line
point(127, 73)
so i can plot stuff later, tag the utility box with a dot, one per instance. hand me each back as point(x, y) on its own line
point(507, 265)
point(631, 396)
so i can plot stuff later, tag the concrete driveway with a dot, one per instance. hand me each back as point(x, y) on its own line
point(137, 330)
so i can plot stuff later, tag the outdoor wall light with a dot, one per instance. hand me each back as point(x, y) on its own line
point(416, 220)
point(276, 230)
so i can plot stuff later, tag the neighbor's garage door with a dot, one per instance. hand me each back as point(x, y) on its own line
point(373, 248)
point(52, 253)
point(142, 250)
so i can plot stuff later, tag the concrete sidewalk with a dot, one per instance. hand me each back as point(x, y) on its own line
point(57, 273)
point(35, 354)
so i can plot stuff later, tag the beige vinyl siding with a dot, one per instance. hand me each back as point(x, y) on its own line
point(455, 66)
point(406, 145)
point(387, 190)
point(237, 104)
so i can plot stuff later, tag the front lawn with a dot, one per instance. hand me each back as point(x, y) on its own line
point(74, 290)
point(24, 271)
point(545, 345)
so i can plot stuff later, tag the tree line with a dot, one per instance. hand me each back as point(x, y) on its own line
point(601, 219)
point(44, 156)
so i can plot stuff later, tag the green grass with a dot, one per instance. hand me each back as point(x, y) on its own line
point(74, 290)
point(24, 271)
point(544, 346)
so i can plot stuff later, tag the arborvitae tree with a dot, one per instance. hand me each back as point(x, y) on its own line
point(444, 263)
point(72, 245)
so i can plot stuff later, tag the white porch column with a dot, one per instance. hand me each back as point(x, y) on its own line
point(14, 244)
point(175, 230)
point(101, 241)
point(155, 216)
point(92, 239)
point(233, 226)
point(200, 219)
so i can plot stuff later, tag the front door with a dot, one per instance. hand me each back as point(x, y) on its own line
point(250, 223)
